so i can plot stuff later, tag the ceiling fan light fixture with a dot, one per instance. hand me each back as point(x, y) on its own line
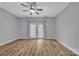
point(32, 11)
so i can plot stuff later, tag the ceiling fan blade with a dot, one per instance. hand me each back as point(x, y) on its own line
point(24, 5)
point(37, 13)
point(25, 10)
point(39, 9)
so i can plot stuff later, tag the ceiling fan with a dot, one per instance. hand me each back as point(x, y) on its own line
point(32, 7)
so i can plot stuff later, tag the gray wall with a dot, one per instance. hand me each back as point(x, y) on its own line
point(8, 26)
point(50, 27)
point(67, 26)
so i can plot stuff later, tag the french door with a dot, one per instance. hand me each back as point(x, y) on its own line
point(32, 30)
point(40, 29)
point(36, 30)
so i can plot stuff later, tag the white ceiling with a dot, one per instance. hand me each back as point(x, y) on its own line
point(50, 9)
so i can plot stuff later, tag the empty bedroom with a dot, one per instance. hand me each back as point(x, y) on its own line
point(39, 28)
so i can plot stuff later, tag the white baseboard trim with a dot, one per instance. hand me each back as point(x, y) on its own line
point(8, 41)
point(36, 38)
point(73, 50)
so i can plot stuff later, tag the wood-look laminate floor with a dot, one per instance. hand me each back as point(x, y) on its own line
point(35, 47)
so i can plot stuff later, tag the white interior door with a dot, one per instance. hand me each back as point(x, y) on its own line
point(40, 30)
point(32, 30)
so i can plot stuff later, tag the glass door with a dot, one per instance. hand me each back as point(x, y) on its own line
point(40, 30)
point(32, 30)
point(36, 30)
